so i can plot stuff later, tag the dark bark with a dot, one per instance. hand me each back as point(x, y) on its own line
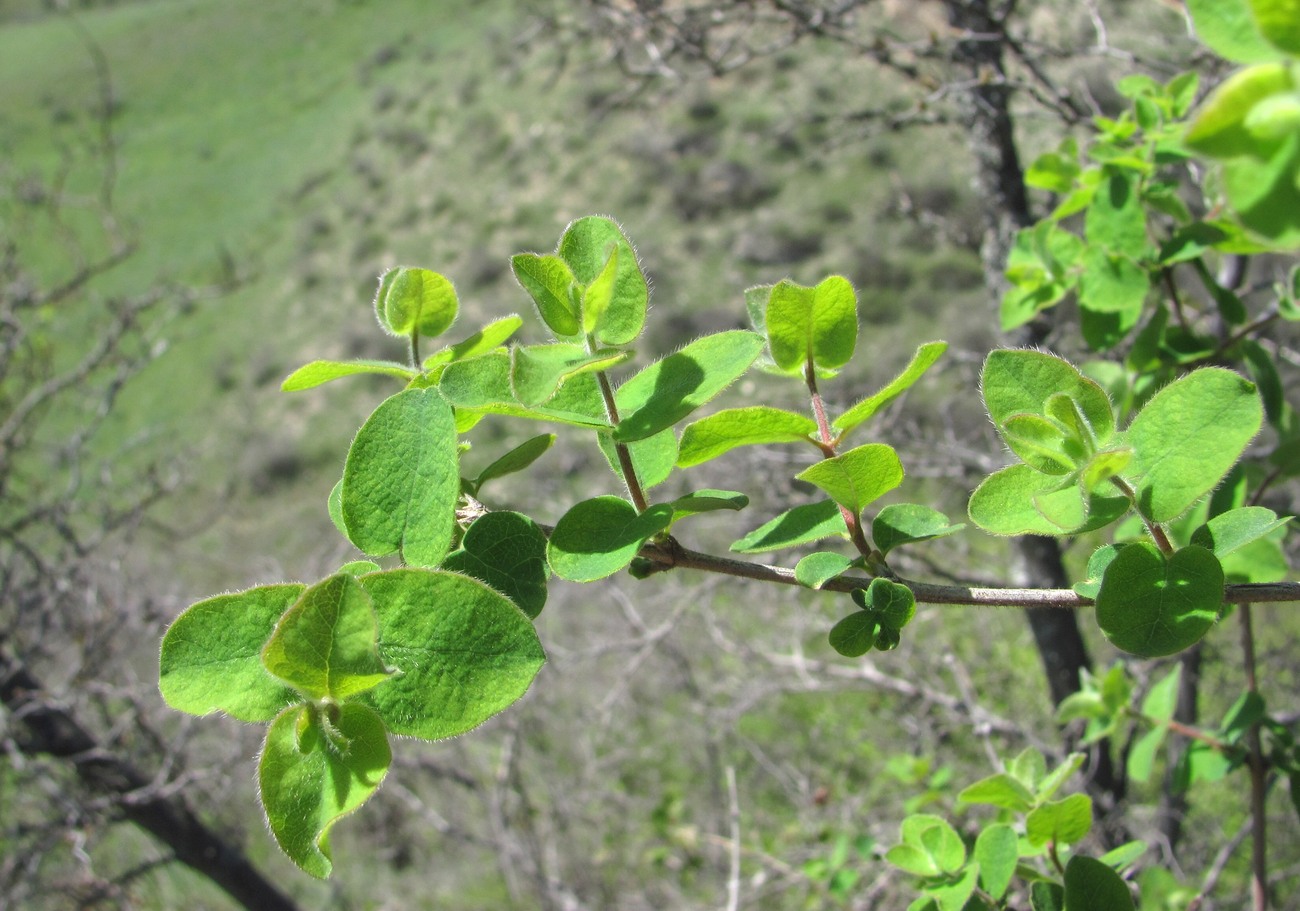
point(1000, 184)
point(49, 729)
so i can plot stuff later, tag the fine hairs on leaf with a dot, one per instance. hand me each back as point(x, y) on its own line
point(1147, 451)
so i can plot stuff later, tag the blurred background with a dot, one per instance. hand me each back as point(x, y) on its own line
point(196, 197)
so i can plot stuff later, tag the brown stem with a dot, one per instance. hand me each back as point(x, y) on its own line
point(676, 556)
point(624, 454)
point(851, 521)
point(1156, 530)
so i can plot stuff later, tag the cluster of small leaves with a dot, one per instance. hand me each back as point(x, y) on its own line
point(1108, 705)
point(1032, 838)
point(1078, 472)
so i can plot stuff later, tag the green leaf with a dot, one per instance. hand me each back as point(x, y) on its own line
point(1028, 767)
point(1041, 443)
point(800, 525)
point(954, 894)
point(311, 777)
point(517, 459)
point(907, 523)
point(1263, 371)
point(587, 246)
point(334, 505)
point(855, 635)
point(1228, 28)
point(1263, 190)
point(815, 570)
point(999, 790)
point(996, 852)
point(1060, 822)
point(711, 436)
point(1219, 130)
point(1046, 896)
point(1162, 699)
point(936, 837)
point(490, 337)
point(1090, 885)
point(1112, 283)
point(507, 551)
point(1124, 856)
point(1021, 501)
point(668, 390)
point(863, 411)
point(325, 644)
point(1236, 528)
point(858, 477)
point(415, 301)
point(1279, 23)
point(358, 567)
point(548, 280)
point(1142, 755)
point(1187, 437)
point(211, 657)
point(708, 500)
point(1020, 381)
point(890, 602)
point(1247, 711)
point(1189, 242)
point(911, 859)
point(463, 652)
point(598, 537)
point(1049, 783)
point(1150, 606)
point(599, 294)
point(536, 371)
point(318, 372)
point(817, 326)
point(483, 384)
point(401, 480)
point(653, 458)
point(1116, 218)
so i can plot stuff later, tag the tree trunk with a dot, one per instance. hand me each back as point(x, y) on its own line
point(55, 731)
point(999, 182)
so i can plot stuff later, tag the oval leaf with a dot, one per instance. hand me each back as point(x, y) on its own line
point(922, 360)
point(416, 301)
point(401, 480)
point(1061, 822)
point(463, 652)
point(309, 777)
point(211, 658)
point(906, 523)
point(1187, 437)
point(548, 281)
point(1150, 606)
point(598, 537)
point(507, 551)
point(817, 326)
point(710, 437)
point(800, 525)
point(858, 477)
point(587, 247)
point(325, 644)
point(670, 389)
point(1091, 885)
point(314, 374)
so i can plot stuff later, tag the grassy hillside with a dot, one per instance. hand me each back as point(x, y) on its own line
point(308, 146)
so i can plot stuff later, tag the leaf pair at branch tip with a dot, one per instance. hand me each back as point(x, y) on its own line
point(592, 286)
point(415, 302)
